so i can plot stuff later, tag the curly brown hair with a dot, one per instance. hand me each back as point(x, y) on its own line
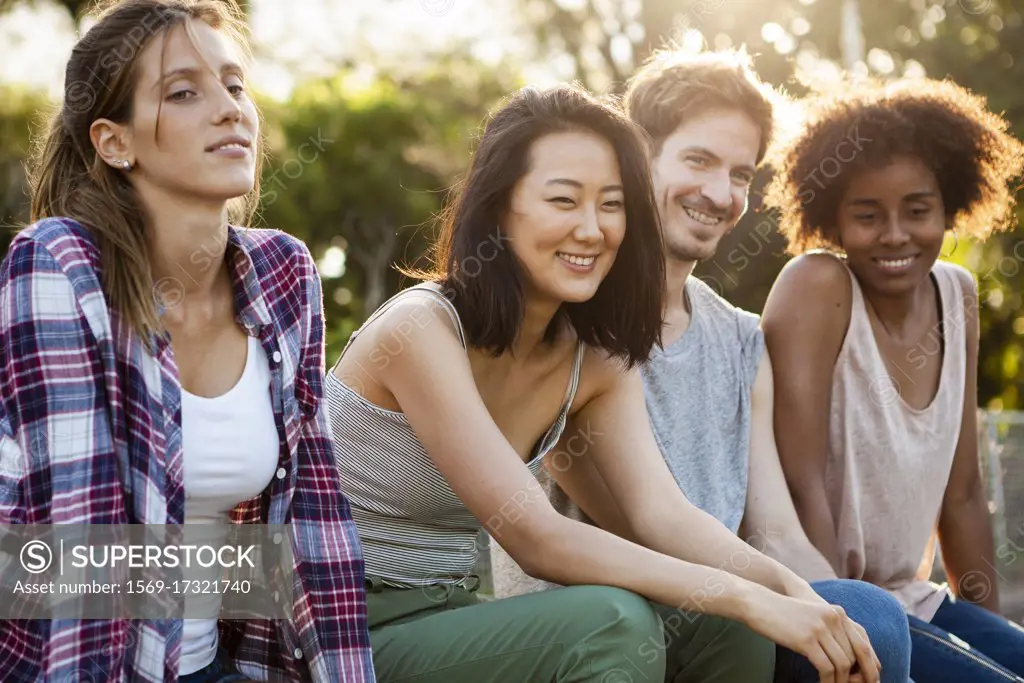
point(864, 125)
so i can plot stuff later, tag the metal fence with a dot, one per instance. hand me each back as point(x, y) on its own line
point(1001, 449)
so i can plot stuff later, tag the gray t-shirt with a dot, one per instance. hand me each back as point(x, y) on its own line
point(698, 397)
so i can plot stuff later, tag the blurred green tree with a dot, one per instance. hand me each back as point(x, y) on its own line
point(359, 168)
point(20, 112)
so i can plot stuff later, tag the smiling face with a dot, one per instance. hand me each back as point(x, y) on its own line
point(193, 131)
point(701, 179)
point(567, 216)
point(891, 224)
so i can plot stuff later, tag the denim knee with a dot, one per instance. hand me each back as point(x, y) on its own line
point(881, 615)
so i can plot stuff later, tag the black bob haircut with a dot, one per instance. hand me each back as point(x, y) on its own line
point(484, 280)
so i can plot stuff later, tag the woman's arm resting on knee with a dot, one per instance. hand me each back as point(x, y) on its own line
point(657, 511)
point(965, 530)
point(770, 523)
point(804, 322)
point(661, 518)
point(431, 379)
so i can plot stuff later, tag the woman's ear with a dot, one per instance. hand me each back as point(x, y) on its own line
point(112, 142)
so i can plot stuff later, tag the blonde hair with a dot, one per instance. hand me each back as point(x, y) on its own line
point(67, 176)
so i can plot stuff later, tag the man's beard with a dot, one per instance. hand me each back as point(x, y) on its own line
point(690, 252)
point(686, 247)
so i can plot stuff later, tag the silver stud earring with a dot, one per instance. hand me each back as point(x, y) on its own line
point(126, 165)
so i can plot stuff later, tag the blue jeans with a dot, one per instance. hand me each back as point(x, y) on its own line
point(964, 642)
point(220, 670)
point(879, 613)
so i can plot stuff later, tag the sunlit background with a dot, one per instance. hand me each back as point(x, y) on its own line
point(432, 68)
point(300, 38)
point(385, 97)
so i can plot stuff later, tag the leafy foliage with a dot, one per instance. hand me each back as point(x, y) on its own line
point(20, 113)
point(363, 168)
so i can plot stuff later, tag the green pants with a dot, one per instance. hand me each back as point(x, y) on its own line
point(596, 634)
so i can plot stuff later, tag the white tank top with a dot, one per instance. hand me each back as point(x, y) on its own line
point(888, 463)
point(231, 450)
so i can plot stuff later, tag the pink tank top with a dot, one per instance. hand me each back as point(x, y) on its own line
point(888, 463)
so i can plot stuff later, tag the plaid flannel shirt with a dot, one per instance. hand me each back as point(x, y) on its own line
point(90, 433)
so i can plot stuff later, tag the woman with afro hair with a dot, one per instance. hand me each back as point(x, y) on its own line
point(874, 341)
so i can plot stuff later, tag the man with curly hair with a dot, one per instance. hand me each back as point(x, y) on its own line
point(709, 387)
point(874, 340)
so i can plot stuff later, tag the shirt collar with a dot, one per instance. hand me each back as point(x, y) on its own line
point(249, 300)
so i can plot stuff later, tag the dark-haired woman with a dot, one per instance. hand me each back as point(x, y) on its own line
point(160, 366)
point(443, 406)
point(875, 344)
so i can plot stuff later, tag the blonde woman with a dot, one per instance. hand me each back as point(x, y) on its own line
point(159, 365)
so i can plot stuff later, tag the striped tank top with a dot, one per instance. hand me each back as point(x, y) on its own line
point(413, 528)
